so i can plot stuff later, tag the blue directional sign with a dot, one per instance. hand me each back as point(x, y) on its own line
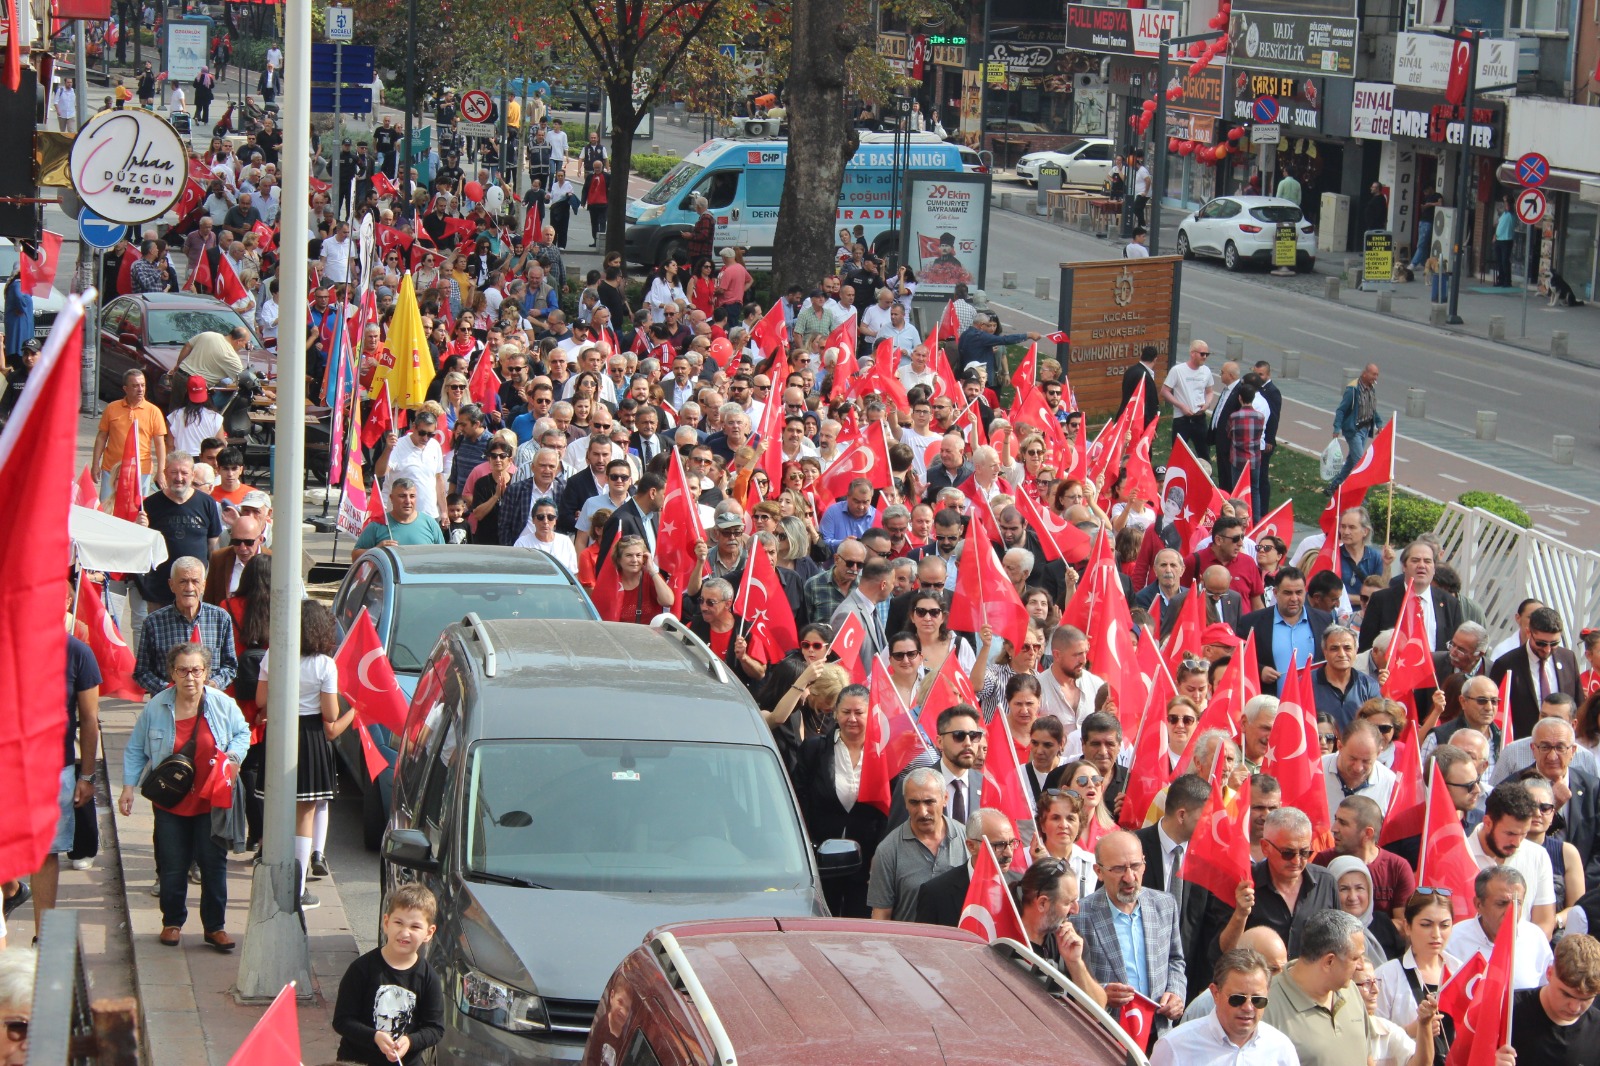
point(729, 50)
point(353, 99)
point(355, 64)
point(1266, 109)
point(1533, 170)
point(97, 232)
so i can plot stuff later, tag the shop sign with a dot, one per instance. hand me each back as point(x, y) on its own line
point(1118, 30)
point(1202, 92)
point(1299, 98)
point(1429, 117)
point(1294, 44)
point(1371, 110)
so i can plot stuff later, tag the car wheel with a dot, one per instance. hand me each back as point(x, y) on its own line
point(1230, 257)
point(1183, 245)
point(1307, 265)
point(373, 816)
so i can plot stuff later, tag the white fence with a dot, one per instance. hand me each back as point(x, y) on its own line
point(1501, 564)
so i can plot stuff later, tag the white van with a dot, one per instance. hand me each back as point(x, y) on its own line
point(743, 182)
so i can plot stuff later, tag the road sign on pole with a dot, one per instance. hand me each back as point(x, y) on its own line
point(1530, 206)
point(99, 233)
point(1533, 169)
point(476, 106)
point(1265, 109)
point(341, 24)
point(729, 50)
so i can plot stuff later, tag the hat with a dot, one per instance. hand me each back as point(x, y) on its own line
point(973, 374)
point(257, 499)
point(1219, 633)
point(727, 253)
point(31, 345)
point(345, 141)
point(197, 389)
point(729, 520)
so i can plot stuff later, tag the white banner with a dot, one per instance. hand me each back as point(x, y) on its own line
point(1422, 61)
point(353, 511)
point(1370, 110)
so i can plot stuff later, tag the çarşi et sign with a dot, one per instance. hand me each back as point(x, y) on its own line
point(1299, 98)
point(129, 167)
point(1429, 117)
point(1118, 30)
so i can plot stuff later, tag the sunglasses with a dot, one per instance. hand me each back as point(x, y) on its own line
point(1239, 999)
point(1181, 719)
point(498, 455)
point(927, 612)
point(962, 736)
point(1426, 891)
point(544, 518)
point(1290, 854)
point(1547, 808)
point(17, 1029)
point(812, 645)
point(619, 477)
point(848, 565)
point(251, 543)
point(1545, 644)
point(904, 656)
point(425, 434)
point(1088, 780)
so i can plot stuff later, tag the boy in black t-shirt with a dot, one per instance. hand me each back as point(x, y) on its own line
point(391, 1003)
point(1557, 1024)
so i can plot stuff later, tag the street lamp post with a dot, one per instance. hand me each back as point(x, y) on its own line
point(408, 153)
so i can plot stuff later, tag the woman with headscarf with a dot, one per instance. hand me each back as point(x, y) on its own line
point(1353, 881)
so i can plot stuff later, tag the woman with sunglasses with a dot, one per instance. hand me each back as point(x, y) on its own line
point(1183, 714)
point(18, 970)
point(1387, 717)
point(905, 668)
point(1024, 473)
point(388, 272)
point(487, 491)
point(702, 287)
point(785, 673)
point(1412, 981)
point(1389, 1044)
point(827, 781)
point(1011, 662)
point(1074, 493)
point(540, 534)
point(930, 622)
point(1084, 778)
point(1566, 865)
point(1352, 881)
point(1058, 816)
point(453, 397)
point(795, 544)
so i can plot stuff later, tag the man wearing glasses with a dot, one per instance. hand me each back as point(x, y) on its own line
point(1130, 932)
point(960, 732)
point(619, 476)
point(874, 588)
point(1354, 770)
point(1227, 551)
point(418, 458)
point(825, 591)
point(941, 900)
point(1284, 890)
point(1577, 792)
point(227, 564)
point(1538, 668)
point(1235, 1033)
point(1480, 707)
point(1519, 754)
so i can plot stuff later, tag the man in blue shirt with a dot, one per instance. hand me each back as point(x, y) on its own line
point(1504, 237)
point(1130, 932)
point(1286, 630)
point(851, 516)
point(979, 340)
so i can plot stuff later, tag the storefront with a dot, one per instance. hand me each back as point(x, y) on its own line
point(1028, 76)
point(1192, 116)
point(1568, 135)
point(1301, 147)
point(1432, 129)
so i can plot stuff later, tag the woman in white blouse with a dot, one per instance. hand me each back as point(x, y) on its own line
point(665, 288)
point(540, 533)
point(827, 779)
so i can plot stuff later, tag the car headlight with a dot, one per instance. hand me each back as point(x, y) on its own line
point(498, 1004)
point(650, 214)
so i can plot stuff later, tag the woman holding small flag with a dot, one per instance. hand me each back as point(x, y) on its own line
point(827, 782)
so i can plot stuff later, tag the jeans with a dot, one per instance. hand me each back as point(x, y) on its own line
point(1355, 447)
point(1424, 239)
point(181, 840)
point(1502, 264)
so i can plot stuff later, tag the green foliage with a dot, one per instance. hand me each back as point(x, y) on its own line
point(1497, 505)
point(654, 167)
point(1410, 518)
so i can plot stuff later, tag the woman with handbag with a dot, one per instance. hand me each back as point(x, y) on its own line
point(320, 722)
point(179, 744)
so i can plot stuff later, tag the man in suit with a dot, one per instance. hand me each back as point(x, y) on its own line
point(1577, 793)
point(1464, 655)
point(960, 729)
point(1441, 612)
point(636, 517)
point(1217, 425)
point(1144, 370)
point(1165, 845)
point(1288, 629)
point(546, 482)
point(941, 900)
point(1274, 400)
point(646, 441)
point(227, 564)
point(583, 484)
point(1223, 605)
point(877, 581)
point(1164, 596)
point(1538, 668)
point(1131, 936)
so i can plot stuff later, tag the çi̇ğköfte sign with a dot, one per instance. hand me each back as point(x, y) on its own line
point(129, 166)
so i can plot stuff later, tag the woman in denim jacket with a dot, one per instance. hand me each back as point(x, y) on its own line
point(183, 831)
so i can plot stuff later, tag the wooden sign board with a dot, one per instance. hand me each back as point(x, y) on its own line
point(1111, 309)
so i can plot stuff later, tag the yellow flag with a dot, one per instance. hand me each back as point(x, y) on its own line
point(412, 371)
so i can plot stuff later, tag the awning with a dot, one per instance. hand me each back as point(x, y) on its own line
point(105, 542)
point(1567, 181)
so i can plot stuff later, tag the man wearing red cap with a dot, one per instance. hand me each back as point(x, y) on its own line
point(1217, 641)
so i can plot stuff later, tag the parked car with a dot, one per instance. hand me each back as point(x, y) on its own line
point(412, 593)
point(565, 787)
point(1084, 162)
point(45, 308)
point(1241, 229)
point(148, 330)
point(972, 160)
point(794, 992)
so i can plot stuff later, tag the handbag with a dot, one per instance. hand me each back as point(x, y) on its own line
point(169, 781)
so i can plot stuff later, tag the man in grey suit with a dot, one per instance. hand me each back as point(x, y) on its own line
point(875, 586)
point(1130, 933)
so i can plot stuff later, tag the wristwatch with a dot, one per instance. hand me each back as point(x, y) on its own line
point(86, 777)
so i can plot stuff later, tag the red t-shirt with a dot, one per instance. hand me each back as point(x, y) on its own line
point(719, 642)
point(1245, 573)
point(205, 752)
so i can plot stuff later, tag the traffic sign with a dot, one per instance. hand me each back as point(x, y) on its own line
point(1266, 133)
point(729, 50)
point(349, 64)
point(476, 106)
point(341, 24)
point(99, 233)
point(1266, 109)
point(1533, 169)
point(1530, 206)
point(475, 129)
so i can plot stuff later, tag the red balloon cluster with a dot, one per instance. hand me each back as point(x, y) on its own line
point(1219, 21)
point(1210, 154)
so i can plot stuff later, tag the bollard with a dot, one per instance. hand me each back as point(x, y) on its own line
point(672, 153)
point(1351, 373)
point(1332, 291)
point(1005, 201)
point(655, 149)
point(1183, 342)
point(1558, 343)
point(1436, 314)
point(1291, 363)
point(1008, 279)
point(1385, 302)
point(1041, 288)
point(1416, 403)
point(1562, 447)
point(1234, 345)
point(1488, 425)
point(1497, 327)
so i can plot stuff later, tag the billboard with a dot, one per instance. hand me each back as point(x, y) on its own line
point(1118, 30)
point(187, 49)
point(1293, 44)
point(1422, 61)
point(1372, 110)
point(946, 231)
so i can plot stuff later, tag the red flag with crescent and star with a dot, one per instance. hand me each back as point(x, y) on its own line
point(1375, 467)
point(111, 652)
point(772, 331)
point(1278, 523)
point(867, 456)
point(984, 594)
point(892, 740)
point(1408, 805)
point(1486, 1023)
point(1137, 1017)
point(846, 648)
point(1294, 757)
point(39, 271)
point(845, 366)
point(988, 909)
point(1189, 499)
point(1218, 857)
point(1410, 656)
point(1443, 860)
point(1459, 988)
point(678, 529)
point(761, 603)
point(1149, 773)
point(366, 679)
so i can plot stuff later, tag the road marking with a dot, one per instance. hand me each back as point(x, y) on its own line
point(1308, 425)
point(1401, 459)
point(1201, 299)
point(1472, 381)
point(1564, 518)
point(1451, 477)
point(1320, 337)
point(1547, 529)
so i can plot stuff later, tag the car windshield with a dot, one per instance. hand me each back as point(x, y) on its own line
point(677, 179)
point(178, 327)
point(1276, 213)
point(422, 612)
point(632, 816)
point(8, 260)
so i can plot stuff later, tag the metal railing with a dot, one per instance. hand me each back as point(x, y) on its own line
point(1501, 564)
point(66, 1027)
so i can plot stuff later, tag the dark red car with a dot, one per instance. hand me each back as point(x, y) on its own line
point(148, 330)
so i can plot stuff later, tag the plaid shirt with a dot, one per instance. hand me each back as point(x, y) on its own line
point(1247, 432)
point(146, 276)
point(166, 628)
point(822, 597)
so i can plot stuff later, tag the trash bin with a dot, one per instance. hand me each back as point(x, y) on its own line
point(1051, 178)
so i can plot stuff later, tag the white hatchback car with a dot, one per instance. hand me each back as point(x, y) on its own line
point(1239, 229)
point(1086, 162)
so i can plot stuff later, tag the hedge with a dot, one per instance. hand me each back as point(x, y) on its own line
point(1497, 505)
point(654, 167)
point(1412, 515)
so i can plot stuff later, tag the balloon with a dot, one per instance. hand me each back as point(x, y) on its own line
point(1236, 134)
point(1149, 105)
point(1175, 92)
point(1195, 68)
point(1217, 21)
point(1174, 144)
point(474, 191)
point(1186, 148)
point(721, 350)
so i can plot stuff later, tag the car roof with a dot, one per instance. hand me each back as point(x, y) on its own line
point(1259, 201)
point(475, 563)
point(177, 300)
point(831, 990)
point(611, 679)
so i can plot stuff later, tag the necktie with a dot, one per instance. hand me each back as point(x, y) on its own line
point(1542, 666)
point(1174, 882)
point(958, 801)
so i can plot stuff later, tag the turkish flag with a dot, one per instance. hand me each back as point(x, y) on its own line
point(36, 460)
point(846, 648)
point(1110, 632)
point(1278, 523)
point(193, 195)
point(484, 385)
point(532, 227)
point(1485, 1025)
point(892, 740)
point(1241, 488)
point(949, 321)
point(950, 686)
point(1408, 806)
point(1218, 856)
point(459, 228)
point(1099, 579)
point(1459, 988)
point(867, 456)
point(365, 677)
point(1455, 86)
point(1294, 757)
point(845, 366)
point(129, 500)
point(985, 595)
point(1059, 337)
point(390, 238)
point(772, 332)
point(1375, 467)
point(111, 652)
point(1443, 861)
point(380, 420)
point(1004, 787)
point(1141, 475)
point(1504, 718)
point(1027, 372)
point(989, 910)
point(1148, 774)
point(86, 490)
point(1189, 500)
point(195, 636)
point(1410, 656)
point(370, 755)
point(200, 278)
point(678, 529)
point(1328, 555)
point(1240, 683)
point(375, 513)
point(1138, 1014)
point(228, 288)
point(275, 1040)
point(770, 460)
point(944, 378)
point(383, 186)
point(1058, 538)
point(39, 272)
point(1105, 454)
point(883, 378)
point(765, 609)
point(978, 506)
point(265, 234)
point(1183, 641)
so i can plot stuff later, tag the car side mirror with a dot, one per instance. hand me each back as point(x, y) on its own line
point(838, 858)
point(409, 848)
point(130, 340)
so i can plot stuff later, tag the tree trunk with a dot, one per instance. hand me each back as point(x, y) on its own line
point(821, 141)
point(624, 120)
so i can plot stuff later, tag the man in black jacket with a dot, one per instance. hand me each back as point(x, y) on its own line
point(940, 900)
point(1290, 609)
point(584, 484)
point(1144, 370)
point(1268, 391)
point(1165, 844)
point(1417, 564)
point(1540, 667)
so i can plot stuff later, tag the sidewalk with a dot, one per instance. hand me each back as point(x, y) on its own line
point(1479, 300)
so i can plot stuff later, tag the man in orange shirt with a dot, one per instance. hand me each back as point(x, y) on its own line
point(109, 443)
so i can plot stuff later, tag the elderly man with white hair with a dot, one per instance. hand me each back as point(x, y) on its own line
point(1259, 716)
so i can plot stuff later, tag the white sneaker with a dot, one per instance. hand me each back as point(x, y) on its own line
point(82, 864)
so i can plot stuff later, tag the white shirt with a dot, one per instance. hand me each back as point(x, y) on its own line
point(1530, 860)
point(1202, 1042)
point(1141, 182)
point(557, 140)
point(1389, 1044)
point(336, 260)
point(1190, 385)
point(919, 443)
point(1135, 250)
point(1510, 644)
point(1054, 701)
point(875, 320)
point(1396, 1001)
point(422, 465)
point(1379, 787)
point(1529, 961)
point(187, 435)
point(558, 548)
point(318, 674)
point(66, 102)
point(846, 776)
